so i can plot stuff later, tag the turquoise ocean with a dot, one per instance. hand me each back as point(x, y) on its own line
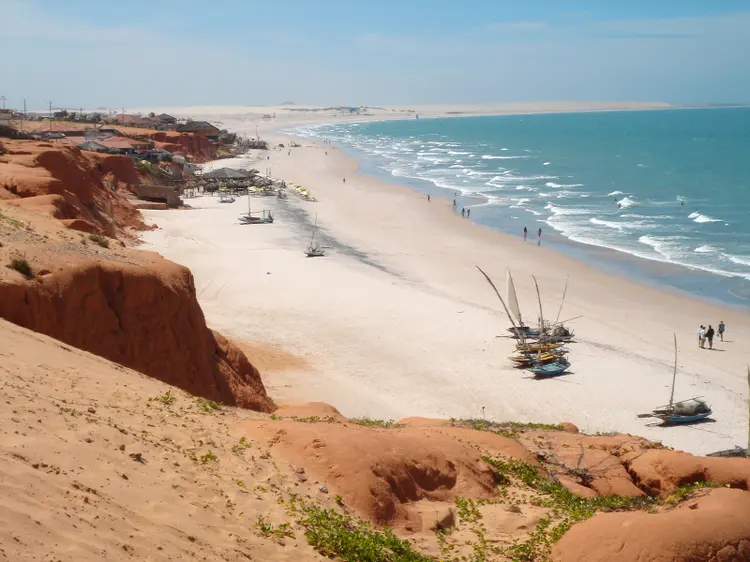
point(660, 195)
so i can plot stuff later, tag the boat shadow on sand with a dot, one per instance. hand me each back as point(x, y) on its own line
point(562, 378)
point(668, 424)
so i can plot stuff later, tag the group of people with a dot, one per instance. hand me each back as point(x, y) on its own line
point(538, 235)
point(464, 211)
point(708, 335)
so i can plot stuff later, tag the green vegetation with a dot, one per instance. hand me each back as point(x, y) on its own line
point(268, 530)
point(240, 446)
point(512, 430)
point(15, 223)
point(340, 536)
point(388, 424)
point(567, 508)
point(208, 406)
point(167, 398)
point(102, 241)
point(21, 266)
point(208, 457)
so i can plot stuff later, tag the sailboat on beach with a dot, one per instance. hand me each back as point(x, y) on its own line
point(315, 250)
point(686, 411)
point(265, 218)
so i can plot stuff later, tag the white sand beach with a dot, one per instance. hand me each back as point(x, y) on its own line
point(396, 321)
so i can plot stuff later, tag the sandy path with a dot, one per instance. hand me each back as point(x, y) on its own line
point(396, 321)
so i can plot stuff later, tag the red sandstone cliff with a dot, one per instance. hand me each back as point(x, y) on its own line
point(83, 185)
point(131, 307)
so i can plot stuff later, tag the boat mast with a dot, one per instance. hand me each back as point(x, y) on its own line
point(315, 226)
point(674, 375)
point(541, 315)
point(565, 292)
point(510, 316)
point(512, 298)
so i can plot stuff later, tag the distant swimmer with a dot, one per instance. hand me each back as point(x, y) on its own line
point(525, 233)
point(682, 202)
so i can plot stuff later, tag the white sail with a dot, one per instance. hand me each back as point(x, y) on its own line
point(513, 300)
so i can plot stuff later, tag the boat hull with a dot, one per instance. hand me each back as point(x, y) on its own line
point(550, 370)
point(255, 220)
point(677, 419)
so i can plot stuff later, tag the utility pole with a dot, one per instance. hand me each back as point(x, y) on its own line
point(50, 116)
point(24, 113)
point(3, 98)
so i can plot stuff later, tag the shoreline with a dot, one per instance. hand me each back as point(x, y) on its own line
point(396, 321)
point(675, 278)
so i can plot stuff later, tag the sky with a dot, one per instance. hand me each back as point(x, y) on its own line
point(102, 53)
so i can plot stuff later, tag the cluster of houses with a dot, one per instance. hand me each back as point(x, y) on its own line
point(107, 138)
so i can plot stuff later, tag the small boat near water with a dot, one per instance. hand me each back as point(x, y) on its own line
point(315, 250)
point(266, 217)
point(687, 411)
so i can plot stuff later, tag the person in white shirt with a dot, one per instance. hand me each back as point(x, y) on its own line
point(702, 336)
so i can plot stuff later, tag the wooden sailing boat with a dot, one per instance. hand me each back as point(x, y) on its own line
point(540, 368)
point(315, 250)
point(515, 309)
point(265, 218)
point(527, 348)
point(686, 411)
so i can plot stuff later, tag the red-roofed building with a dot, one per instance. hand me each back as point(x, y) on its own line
point(132, 120)
point(124, 144)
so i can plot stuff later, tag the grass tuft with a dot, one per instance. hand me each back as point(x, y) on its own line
point(21, 266)
point(208, 406)
point(100, 240)
point(167, 398)
point(208, 457)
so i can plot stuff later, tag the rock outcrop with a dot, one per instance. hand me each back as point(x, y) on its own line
point(660, 471)
point(84, 185)
point(713, 527)
point(386, 475)
point(131, 307)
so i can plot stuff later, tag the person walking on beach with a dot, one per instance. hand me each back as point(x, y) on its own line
point(710, 336)
point(463, 212)
point(344, 180)
point(525, 233)
point(701, 336)
point(539, 234)
point(428, 198)
point(722, 329)
point(468, 213)
point(454, 202)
